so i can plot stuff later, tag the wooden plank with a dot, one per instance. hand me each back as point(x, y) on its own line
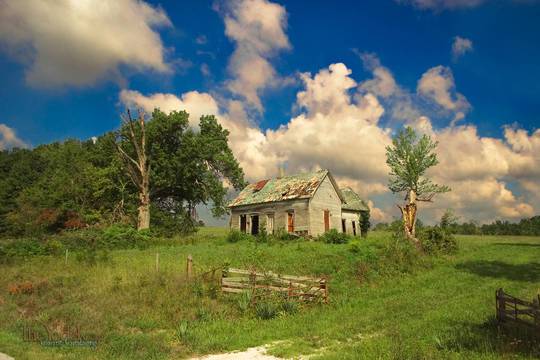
point(511, 299)
point(529, 312)
point(231, 290)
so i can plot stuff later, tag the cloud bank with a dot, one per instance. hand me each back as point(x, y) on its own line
point(77, 43)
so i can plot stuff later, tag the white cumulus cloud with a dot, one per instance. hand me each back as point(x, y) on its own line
point(437, 84)
point(9, 139)
point(258, 29)
point(460, 46)
point(69, 42)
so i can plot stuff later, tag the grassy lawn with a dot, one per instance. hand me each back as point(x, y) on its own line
point(440, 308)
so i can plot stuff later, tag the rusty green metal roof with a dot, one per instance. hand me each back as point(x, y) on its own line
point(300, 186)
point(353, 201)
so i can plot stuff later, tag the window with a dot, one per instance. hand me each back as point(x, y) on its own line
point(270, 223)
point(343, 227)
point(354, 228)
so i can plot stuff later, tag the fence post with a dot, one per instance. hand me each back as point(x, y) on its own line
point(501, 305)
point(189, 266)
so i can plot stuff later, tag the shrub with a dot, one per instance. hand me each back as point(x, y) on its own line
point(235, 236)
point(332, 236)
point(266, 310)
point(21, 248)
point(436, 239)
point(125, 237)
point(283, 235)
point(244, 301)
point(289, 307)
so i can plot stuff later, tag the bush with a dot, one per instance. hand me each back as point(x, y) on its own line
point(21, 248)
point(124, 237)
point(235, 236)
point(332, 236)
point(283, 235)
point(266, 310)
point(436, 239)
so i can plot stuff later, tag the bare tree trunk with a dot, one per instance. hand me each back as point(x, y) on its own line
point(144, 207)
point(138, 169)
point(408, 213)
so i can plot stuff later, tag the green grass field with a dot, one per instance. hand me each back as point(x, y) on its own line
point(440, 307)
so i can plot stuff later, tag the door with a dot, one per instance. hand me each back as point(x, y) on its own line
point(326, 220)
point(290, 222)
point(243, 223)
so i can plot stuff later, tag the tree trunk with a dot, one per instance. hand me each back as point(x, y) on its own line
point(408, 213)
point(138, 166)
point(144, 211)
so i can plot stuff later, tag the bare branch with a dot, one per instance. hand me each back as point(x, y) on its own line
point(125, 156)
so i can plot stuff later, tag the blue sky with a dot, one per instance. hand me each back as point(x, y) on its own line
point(61, 82)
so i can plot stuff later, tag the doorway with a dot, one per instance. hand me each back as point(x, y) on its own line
point(343, 226)
point(243, 223)
point(354, 228)
point(254, 224)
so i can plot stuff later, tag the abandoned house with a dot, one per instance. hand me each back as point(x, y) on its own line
point(307, 204)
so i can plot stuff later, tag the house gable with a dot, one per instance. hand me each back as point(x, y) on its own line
point(327, 198)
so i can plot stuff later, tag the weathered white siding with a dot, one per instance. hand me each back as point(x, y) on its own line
point(325, 198)
point(349, 217)
point(300, 208)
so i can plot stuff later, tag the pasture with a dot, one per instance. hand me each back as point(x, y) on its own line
point(383, 304)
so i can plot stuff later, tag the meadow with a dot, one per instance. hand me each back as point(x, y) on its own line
point(385, 303)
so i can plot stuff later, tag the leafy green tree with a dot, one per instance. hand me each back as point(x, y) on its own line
point(409, 158)
point(185, 167)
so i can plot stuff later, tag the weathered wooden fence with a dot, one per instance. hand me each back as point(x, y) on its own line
point(513, 310)
point(302, 288)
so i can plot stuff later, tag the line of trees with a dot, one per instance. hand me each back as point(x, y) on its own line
point(528, 226)
point(153, 164)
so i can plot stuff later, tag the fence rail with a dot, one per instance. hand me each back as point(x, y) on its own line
point(513, 310)
point(303, 288)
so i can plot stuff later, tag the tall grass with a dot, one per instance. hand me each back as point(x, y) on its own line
point(385, 301)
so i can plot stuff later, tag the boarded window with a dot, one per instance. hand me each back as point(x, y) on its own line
point(290, 222)
point(326, 220)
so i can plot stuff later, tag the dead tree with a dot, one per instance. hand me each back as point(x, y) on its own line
point(136, 162)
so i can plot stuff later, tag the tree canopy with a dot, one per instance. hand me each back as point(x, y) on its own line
point(74, 183)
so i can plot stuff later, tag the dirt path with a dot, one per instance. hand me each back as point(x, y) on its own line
point(5, 357)
point(256, 353)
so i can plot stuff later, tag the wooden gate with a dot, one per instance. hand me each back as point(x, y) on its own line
point(513, 310)
point(302, 288)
